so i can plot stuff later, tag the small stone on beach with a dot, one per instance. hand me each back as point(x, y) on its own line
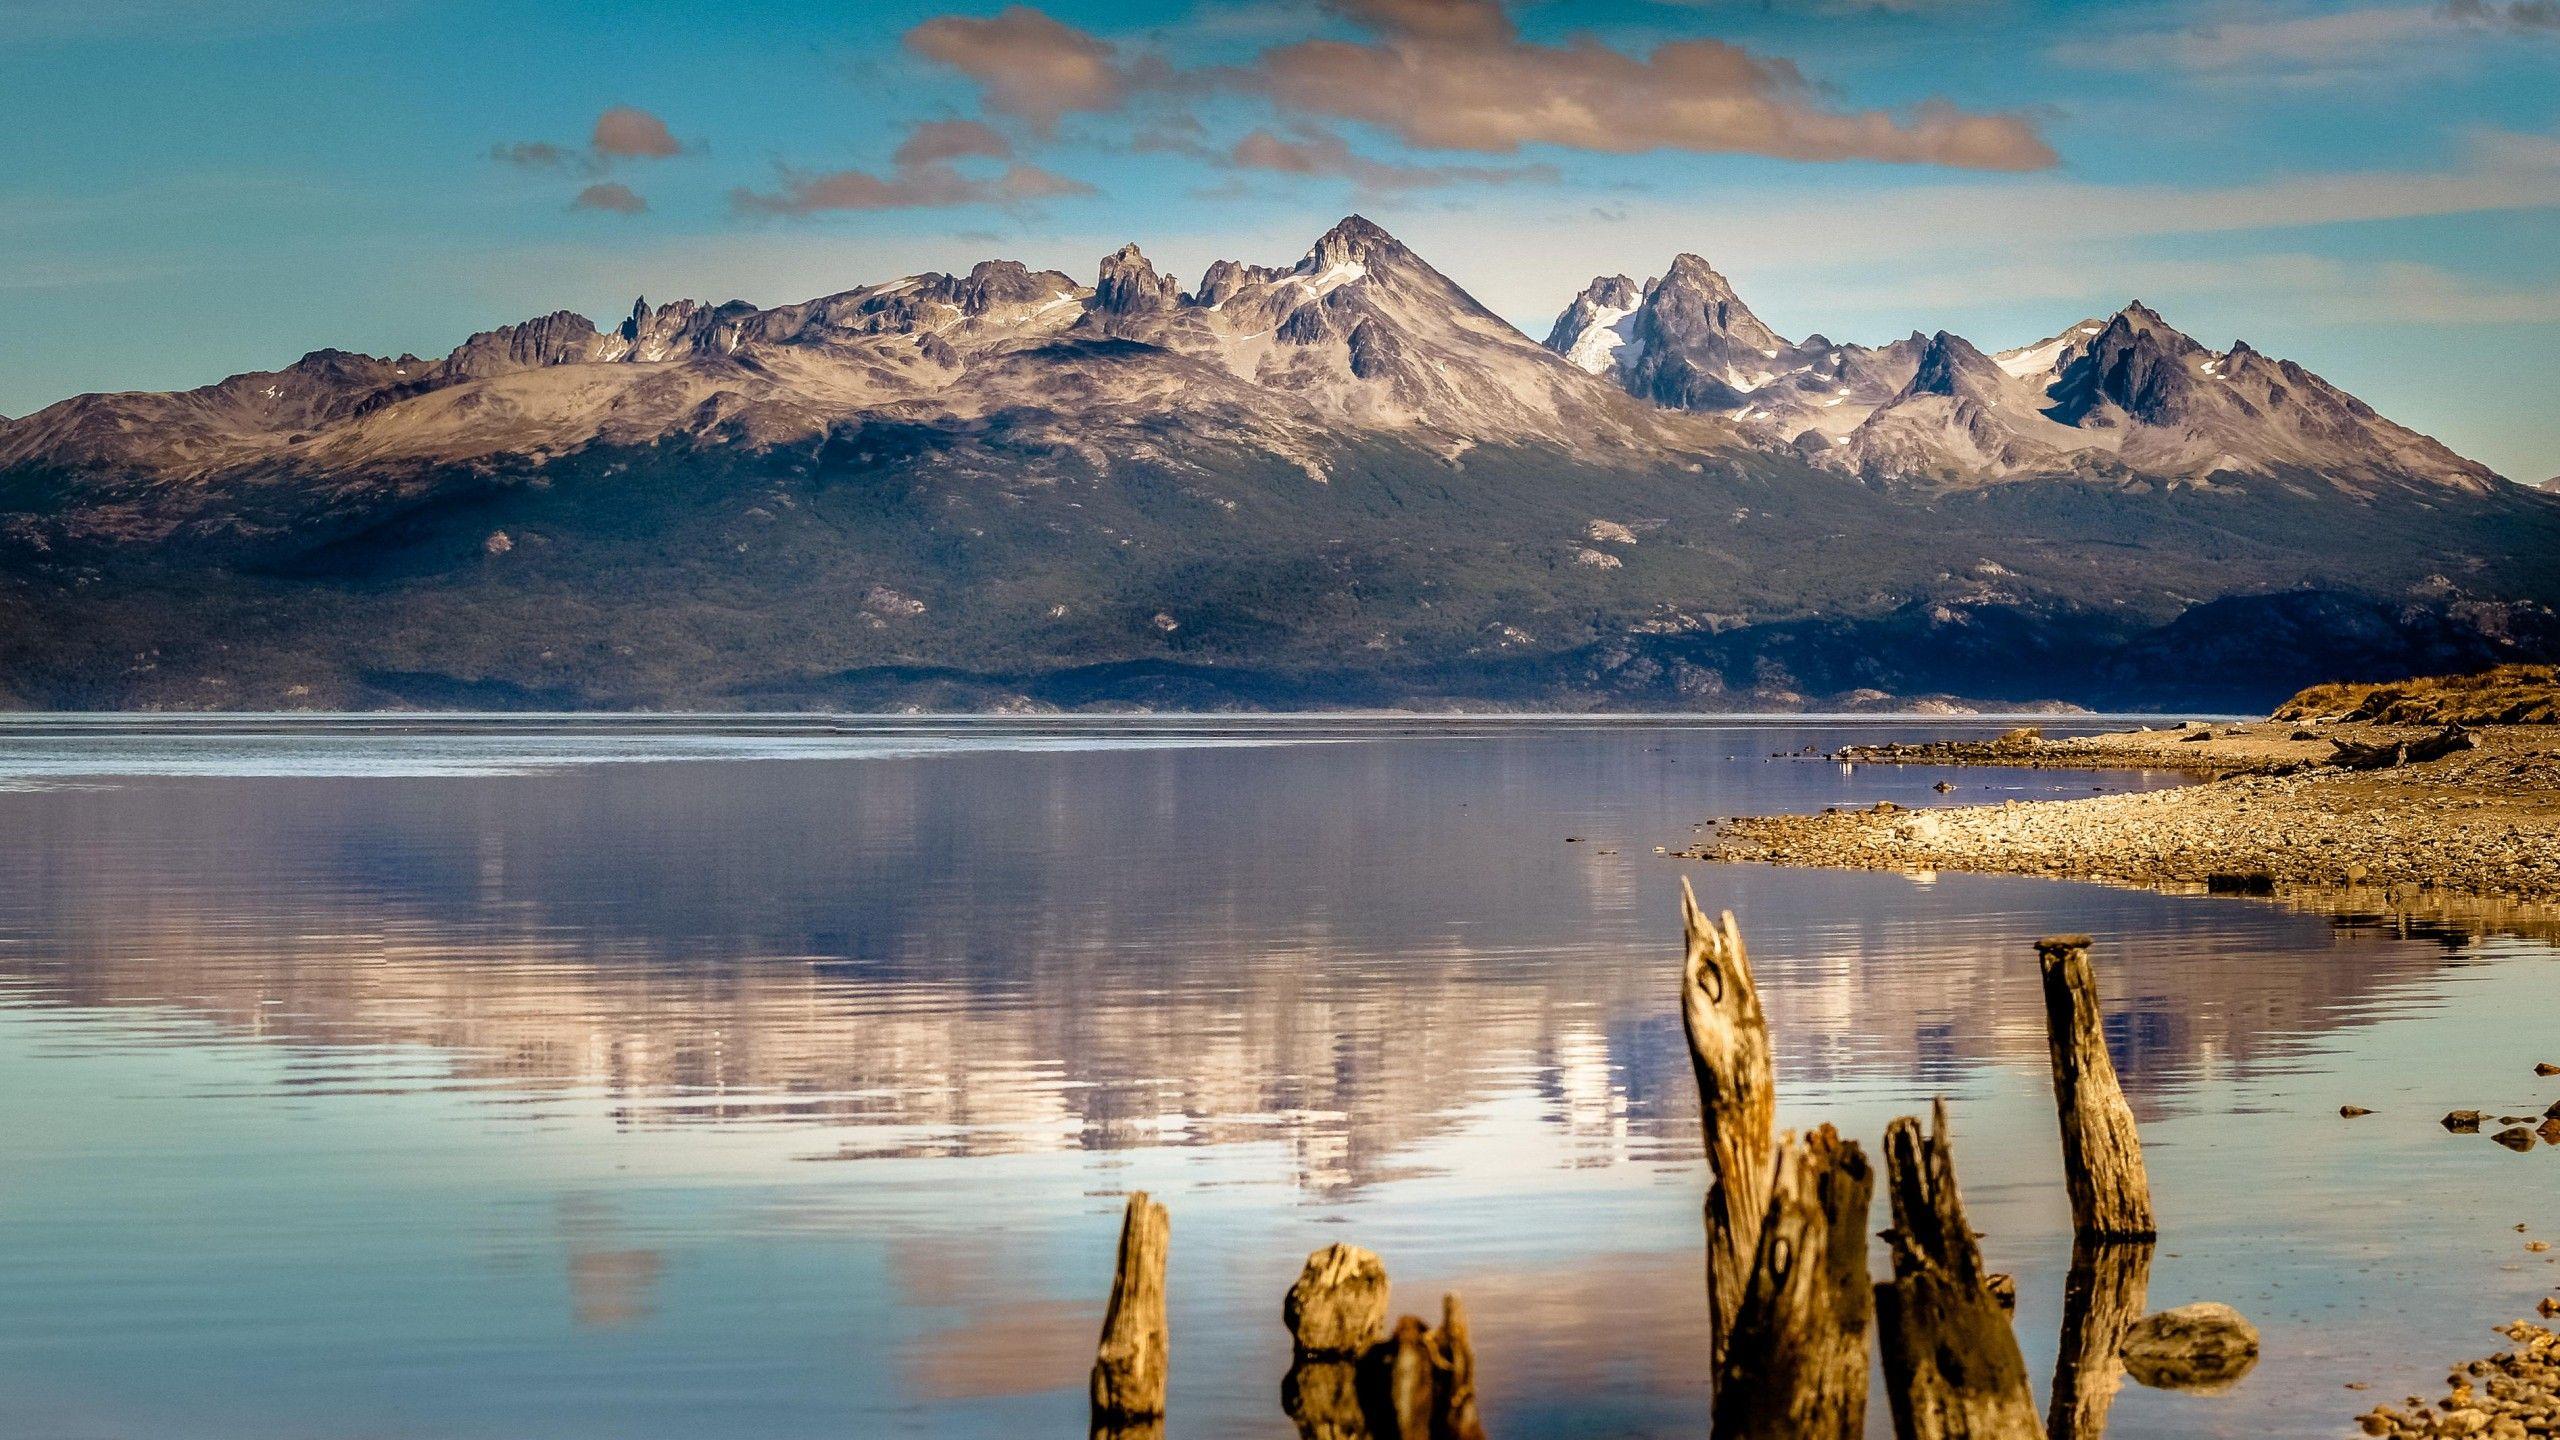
point(2352, 1111)
point(2463, 1122)
point(2516, 1138)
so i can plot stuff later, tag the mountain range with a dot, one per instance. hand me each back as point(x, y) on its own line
point(1342, 481)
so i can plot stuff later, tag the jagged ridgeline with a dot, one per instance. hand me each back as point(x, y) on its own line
point(1339, 482)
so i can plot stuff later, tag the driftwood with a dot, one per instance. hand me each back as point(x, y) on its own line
point(1737, 1102)
point(1129, 1367)
point(2356, 755)
point(1796, 1365)
point(2102, 1298)
point(2101, 1151)
point(1951, 1364)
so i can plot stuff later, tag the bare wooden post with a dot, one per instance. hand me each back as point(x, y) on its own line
point(2100, 1301)
point(2101, 1151)
point(1951, 1364)
point(1796, 1367)
point(1737, 1102)
point(1129, 1367)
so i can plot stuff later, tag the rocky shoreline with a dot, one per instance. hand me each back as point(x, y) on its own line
point(2507, 1396)
point(2274, 813)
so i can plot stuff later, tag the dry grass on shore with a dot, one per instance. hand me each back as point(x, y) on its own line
point(2507, 695)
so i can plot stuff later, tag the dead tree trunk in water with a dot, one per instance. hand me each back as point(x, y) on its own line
point(1795, 1367)
point(2100, 1302)
point(1737, 1102)
point(1951, 1364)
point(1129, 1367)
point(2101, 1151)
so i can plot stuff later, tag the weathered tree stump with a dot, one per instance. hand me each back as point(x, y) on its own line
point(1420, 1383)
point(2102, 1298)
point(1737, 1102)
point(1353, 1379)
point(1403, 1390)
point(1129, 1367)
point(1338, 1306)
point(2101, 1151)
point(1951, 1364)
point(1796, 1365)
point(1322, 1398)
point(1453, 1360)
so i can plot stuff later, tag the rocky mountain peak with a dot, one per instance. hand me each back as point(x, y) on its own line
point(559, 338)
point(1693, 296)
point(1357, 240)
point(1129, 285)
point(2139, 364)
point(1009, 282)
point(1225, 279)
point(1950, 365)
point(1593, 331)
point(1691, 271)
point(1690, 343)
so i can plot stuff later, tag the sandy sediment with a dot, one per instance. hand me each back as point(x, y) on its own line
point(2270, 815)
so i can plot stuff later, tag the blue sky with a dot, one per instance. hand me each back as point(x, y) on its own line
point(194, 189)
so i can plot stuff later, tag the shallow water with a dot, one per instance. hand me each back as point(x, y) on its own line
point(668, 1079)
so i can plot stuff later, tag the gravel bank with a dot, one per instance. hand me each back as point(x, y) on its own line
point(2482, 822)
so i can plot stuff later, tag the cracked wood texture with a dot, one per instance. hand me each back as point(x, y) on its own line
point(1129, 1367)
point(1796, 1365)
point(1951, 1363)
point(1338, 1307)
point(2101, 1151)
point(1737, 1101)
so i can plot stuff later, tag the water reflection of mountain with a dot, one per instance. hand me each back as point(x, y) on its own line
point(1336, 948)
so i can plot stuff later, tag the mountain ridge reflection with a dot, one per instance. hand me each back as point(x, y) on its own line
point(1007, 953)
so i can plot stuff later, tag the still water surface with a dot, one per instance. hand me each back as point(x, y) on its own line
point(692, 1079)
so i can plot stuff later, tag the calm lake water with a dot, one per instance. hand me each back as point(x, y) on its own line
point(689, 1079)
